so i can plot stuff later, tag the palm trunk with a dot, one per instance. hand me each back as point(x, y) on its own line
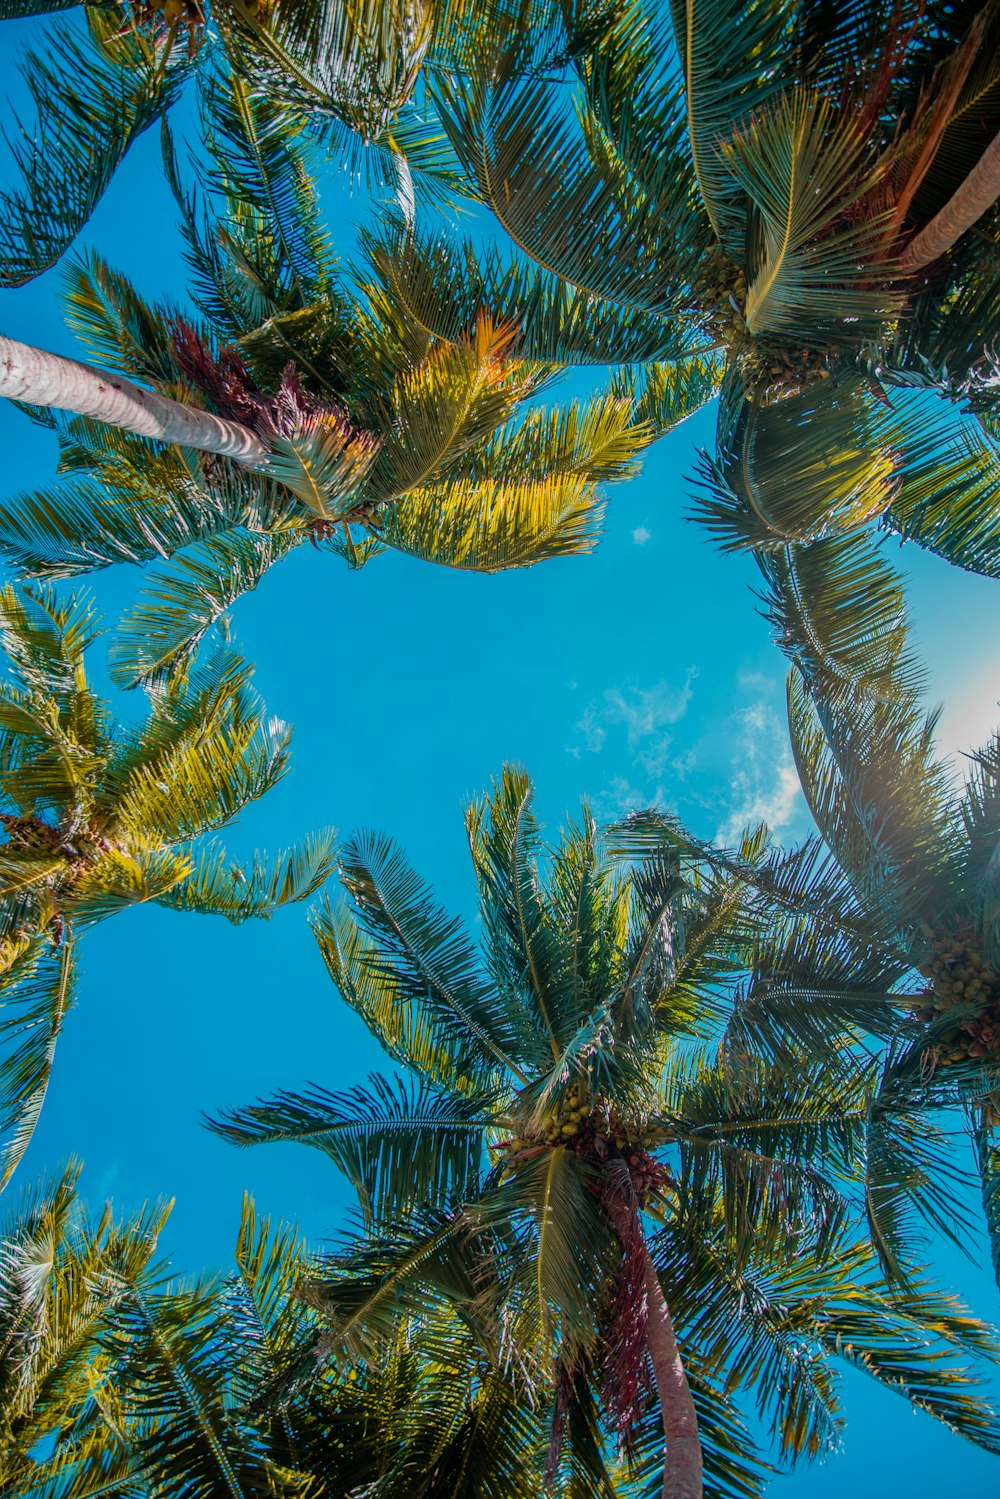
point(682, 1467)
point(44, 379)
point(682, 1473)
point(978, 192)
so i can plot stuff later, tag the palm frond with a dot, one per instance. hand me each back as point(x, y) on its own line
point(37, 994)
point(811, 252)
point(424, 957)
point(89, 113)
point(838, 609)
point(732, 56)
point(803, 467)
point(562, 193)
point(491, 525)
point(402, 1147)
point(181, 605)
point(218, 886)
point(882, 803)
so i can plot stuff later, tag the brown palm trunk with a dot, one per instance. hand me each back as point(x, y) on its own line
point(682, 1468)
point(978, 192)
point(682, 1473)
point(44, 379)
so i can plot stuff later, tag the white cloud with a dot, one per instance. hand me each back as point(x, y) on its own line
point(764, 785)
point(640, 536)
point(645, 713)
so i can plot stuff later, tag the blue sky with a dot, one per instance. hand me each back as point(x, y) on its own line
point(640, 673)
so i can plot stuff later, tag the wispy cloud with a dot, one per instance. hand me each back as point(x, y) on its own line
point(722, 774)
point(645, 713)
point(764, 784)
point(641, 535)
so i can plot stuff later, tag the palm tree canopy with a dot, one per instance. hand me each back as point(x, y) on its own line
point(748, 178)
point(916, 849)
point(119, 1375)
point(100, 815)
point(570, 1067)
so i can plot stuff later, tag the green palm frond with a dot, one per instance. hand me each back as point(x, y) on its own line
point(180, 605)
point(801, 468)
point(838, 608)
point(38, 990)
point(410, 1033)
point(574, 1246)
point(880, 800)
point(360, 62)
point(949, 501)
point(17, 10)
point(204, 777)
point(457, 395)
point(116, 324)
point(667, 394)
point(492, 525)
point(442, 284)
point(169, 1387)
point(562, 194)
point(424, 958)
point(89, 113)
point(116, 879)
point(894, 1349)
point(369, 1292)
point(260, 165)
point(526, 955)
point(402, 1148)
point(910, 1181)
point(988, 1160)
point(764, 1144)
point(731, 55)
point(809, 271)
point(218, 886)
point(324, 465)
point(596, 439)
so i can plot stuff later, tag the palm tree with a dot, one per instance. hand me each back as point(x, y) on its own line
point(374, 432)
point(913, 852)
point(789, 187)
point(118, 1376)
point(99, 816)
point(576, 1172)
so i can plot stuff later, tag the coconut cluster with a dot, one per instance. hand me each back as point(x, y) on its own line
point(590, 1128)
point(773, 366)
point(961, 980)
point(78, 850)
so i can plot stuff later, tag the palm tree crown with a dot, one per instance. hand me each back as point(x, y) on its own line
point(748, 180)
point(98, 816)
point(562, 1105)
point(905, 907)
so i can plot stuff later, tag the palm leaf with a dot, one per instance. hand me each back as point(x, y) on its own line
point(180, 606)
point(89, 113)
point(38, 992)
point(401, 1147)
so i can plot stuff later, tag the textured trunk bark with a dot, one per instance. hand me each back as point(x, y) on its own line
point(682, 1473)
point(978, 192)
point(43, 379)
point(682, 1468)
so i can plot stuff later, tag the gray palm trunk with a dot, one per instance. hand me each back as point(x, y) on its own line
point(43, 379)
point(967, 204)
